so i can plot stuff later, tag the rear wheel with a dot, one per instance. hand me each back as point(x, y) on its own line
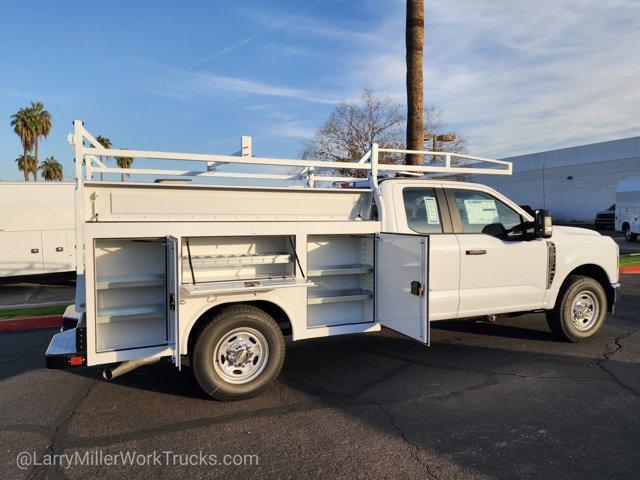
point(630, 237)
point(238, 354)
point(580, 310)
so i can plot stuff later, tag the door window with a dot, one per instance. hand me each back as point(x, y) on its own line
point(483, 213)
point(421, 208)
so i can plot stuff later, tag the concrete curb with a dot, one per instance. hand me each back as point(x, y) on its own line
point(628, 270)
point(29, 323)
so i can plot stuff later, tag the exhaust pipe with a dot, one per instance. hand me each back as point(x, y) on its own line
point(124, 367)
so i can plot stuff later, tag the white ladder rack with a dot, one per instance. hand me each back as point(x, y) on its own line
point(90, 157)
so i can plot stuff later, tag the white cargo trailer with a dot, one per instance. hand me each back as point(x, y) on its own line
point(36, 228)
point(628, 208)
point(219, 274)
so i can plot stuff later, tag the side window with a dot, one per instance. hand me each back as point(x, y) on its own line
point(482, 213)
point(421, 208)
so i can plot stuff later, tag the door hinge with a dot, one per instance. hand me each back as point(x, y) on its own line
point(172, 302)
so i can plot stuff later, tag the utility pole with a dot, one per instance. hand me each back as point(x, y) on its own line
point(414, 38)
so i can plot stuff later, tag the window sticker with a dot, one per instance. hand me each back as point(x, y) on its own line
point(481, 211)
point(432, 211)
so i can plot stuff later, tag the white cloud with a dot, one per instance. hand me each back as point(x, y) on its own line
point(184, 85)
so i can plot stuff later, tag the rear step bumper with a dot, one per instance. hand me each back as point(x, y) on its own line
point(67, 349)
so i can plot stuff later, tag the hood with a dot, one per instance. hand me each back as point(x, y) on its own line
point(574, 231)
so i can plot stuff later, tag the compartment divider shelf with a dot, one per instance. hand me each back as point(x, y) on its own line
point(340, 270)
point(138, 312)
point(317, 297)
point(129, 281)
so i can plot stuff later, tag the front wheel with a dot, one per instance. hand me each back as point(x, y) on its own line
point(580, 310)
point(238, 354)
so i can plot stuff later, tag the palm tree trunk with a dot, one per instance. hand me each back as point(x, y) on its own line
point(414, 38)
point(25, 169)
point(35, 165)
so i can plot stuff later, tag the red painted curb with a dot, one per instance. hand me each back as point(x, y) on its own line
point(27, 323)
point(630, 269)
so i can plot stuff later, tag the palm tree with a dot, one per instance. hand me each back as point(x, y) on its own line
point(25, 165)
point(106, 143)
point(124, 162)
point(51, 170)
point(414, 38)
point(41, 122)
point(21, 121)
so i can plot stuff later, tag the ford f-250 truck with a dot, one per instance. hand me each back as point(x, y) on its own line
point(219, 274)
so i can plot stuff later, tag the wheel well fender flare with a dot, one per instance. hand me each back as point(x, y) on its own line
point(594, 271)
point(209, 312)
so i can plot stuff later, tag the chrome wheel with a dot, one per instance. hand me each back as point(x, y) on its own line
point(585, 310)
point(241, 355)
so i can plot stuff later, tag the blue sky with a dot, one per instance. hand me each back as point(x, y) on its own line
point(513, 76)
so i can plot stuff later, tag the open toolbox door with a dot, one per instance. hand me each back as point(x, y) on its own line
point(402, 284)
point(173, 292)
point(132, 299)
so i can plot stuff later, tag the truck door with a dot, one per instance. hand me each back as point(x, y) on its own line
point(401, 284)
point(499, 271)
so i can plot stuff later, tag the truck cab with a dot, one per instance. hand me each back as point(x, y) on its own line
point(480, 262)
point(216, 275)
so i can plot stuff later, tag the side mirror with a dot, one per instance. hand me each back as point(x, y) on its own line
point(542, 226)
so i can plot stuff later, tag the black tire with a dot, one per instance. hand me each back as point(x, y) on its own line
point(561, 319)
point(247, 322)
point(630, 237)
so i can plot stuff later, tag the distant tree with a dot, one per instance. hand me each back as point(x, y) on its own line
point(353, 126)
point(41, 123)
point(25, 164)
point(124, 162)
point(51, 170)
point(22, 125)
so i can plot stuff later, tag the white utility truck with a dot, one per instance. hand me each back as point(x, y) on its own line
point(217, 275)
point(36, 228)
point(628, 208)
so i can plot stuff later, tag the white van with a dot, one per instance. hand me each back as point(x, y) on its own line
point(37, 228)
point(628, 208)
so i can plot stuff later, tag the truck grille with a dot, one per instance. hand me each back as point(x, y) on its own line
point(551, 263)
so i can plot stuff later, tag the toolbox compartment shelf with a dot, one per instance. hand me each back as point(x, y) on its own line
point(316, 297)
point(129, 281)
point(340, 270)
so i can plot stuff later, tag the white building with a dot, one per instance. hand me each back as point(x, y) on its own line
point(572, 183)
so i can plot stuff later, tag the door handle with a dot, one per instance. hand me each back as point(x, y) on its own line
point(59, 249)
point(478, 251)
point(35, 250)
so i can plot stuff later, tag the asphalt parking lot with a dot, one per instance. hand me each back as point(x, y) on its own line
point(500, 400)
